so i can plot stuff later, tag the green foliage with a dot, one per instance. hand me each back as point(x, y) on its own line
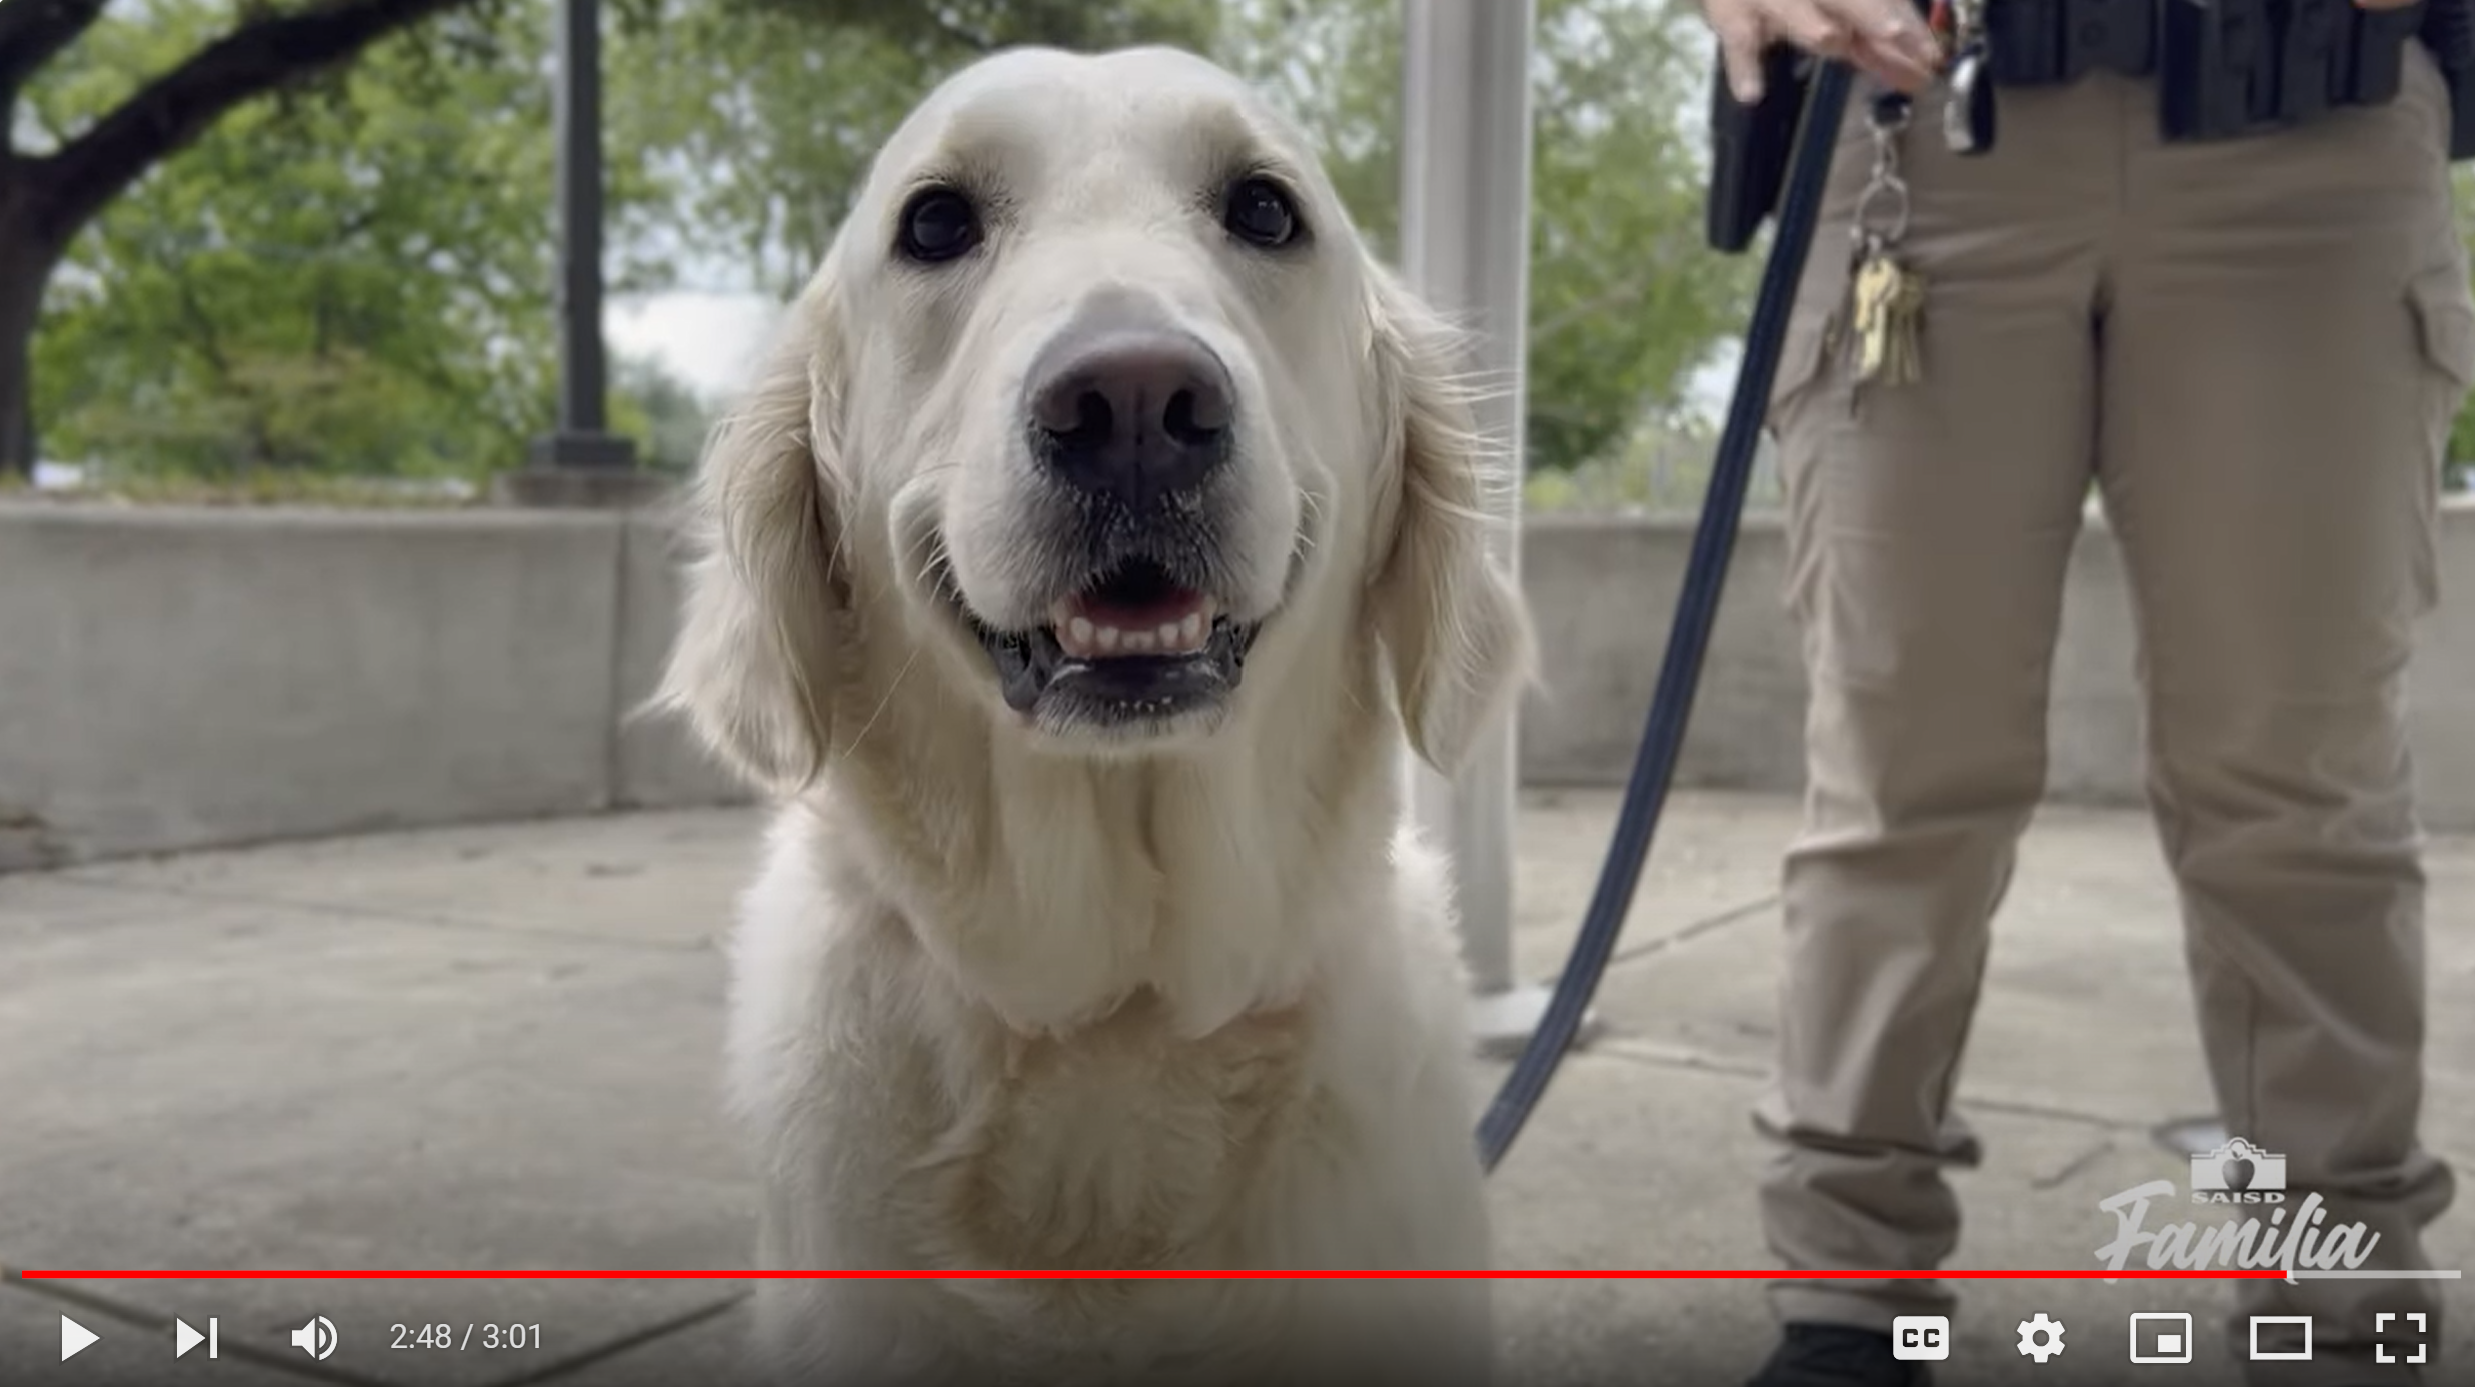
point(1626, 300)
point(357, 279)
point(764, 128)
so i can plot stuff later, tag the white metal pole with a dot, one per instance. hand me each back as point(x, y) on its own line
point(1465, 245)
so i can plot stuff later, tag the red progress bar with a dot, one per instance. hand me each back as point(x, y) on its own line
point(2074, 1274)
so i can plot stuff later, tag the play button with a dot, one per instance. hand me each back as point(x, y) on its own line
point(75, 1338)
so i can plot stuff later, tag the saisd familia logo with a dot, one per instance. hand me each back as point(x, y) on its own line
point(2237, 1173)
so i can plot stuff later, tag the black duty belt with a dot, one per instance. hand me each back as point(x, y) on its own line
point(2228, 68)
point(2223, 69)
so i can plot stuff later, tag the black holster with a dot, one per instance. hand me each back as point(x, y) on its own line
point(1750, 147)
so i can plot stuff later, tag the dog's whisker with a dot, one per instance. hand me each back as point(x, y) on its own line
point(935, 570)
point(891, 687)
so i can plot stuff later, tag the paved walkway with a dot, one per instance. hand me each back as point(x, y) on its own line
point(496, 1048)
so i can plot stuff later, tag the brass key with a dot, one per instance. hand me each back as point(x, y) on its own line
point(1887, 321)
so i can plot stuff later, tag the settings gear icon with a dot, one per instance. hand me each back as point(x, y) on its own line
point(2041, 1338)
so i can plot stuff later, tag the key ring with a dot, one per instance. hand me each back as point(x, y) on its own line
point(1884, 184)
point(1868, 227)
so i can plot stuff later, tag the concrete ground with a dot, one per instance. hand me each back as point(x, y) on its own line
point(495, 1048)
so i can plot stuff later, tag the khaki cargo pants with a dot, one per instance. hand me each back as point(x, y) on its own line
point(2253, 350)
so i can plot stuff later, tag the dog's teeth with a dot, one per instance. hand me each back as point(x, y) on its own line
point(1082, 637)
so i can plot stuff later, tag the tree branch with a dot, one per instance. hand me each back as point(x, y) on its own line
point(32, 33)
point(178, 107)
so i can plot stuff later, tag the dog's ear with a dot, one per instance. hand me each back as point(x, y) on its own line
point(755, 663)
point(1450, 618)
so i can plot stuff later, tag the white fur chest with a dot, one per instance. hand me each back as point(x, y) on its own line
point(901, 1124)
point(1118, 1145)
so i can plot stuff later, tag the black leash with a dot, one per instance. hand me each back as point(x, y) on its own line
point(1688, 639)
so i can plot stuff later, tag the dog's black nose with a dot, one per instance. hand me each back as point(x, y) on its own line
point(1131, 413)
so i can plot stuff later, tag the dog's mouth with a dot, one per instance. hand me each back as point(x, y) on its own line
point(1133, 644)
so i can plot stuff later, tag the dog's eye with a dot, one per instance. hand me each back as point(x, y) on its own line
point(938, 224)
point(1260, 212)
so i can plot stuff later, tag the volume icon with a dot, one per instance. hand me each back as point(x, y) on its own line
point(316, 1338)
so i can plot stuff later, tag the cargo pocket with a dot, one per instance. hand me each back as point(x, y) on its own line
point(1805, 356)
point(2445, 326)
point(1798, 438)
point(1801, 358)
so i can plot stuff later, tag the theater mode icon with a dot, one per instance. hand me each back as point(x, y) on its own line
point(1924, 1338)
point(2289, 1339)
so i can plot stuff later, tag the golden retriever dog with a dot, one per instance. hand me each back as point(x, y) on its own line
point(1104, 518)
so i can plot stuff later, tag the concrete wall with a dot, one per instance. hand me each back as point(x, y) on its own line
point(175, 678)
point(1602, 657)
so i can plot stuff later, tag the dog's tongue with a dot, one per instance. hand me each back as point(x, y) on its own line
point(1091, 626)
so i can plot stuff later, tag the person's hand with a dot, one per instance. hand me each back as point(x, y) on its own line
point(1886, 39)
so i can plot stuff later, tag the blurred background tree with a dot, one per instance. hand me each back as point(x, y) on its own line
point(356, 278)
point(174, 78)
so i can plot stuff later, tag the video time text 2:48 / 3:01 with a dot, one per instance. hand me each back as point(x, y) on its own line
point(450, 1336)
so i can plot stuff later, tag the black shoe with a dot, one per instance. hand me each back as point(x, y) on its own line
point(1837, 1355)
